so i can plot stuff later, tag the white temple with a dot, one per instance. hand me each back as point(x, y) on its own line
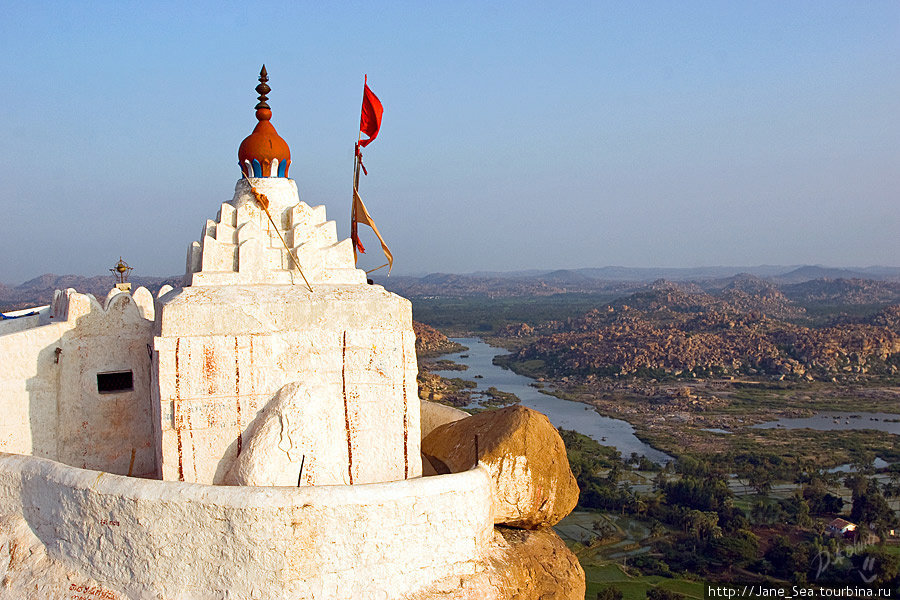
point(253, 434)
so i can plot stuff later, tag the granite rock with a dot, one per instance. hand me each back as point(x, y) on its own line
point(532, 482)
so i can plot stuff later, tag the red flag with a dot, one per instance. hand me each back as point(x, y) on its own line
point(370, 118)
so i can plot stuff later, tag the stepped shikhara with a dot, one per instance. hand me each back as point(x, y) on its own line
point(257, 433)
point(243, 247)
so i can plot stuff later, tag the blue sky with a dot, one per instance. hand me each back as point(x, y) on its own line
point(515, 135)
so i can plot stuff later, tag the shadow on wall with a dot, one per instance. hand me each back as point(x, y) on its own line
point(43, 402)
point(89, 401)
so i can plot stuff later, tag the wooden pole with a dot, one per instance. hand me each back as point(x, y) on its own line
point(265, 207)
point(289, 251)
point(357, 163)
point(300, 476)
point(357, 153)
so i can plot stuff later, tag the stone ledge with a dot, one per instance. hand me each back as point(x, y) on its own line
point(279, 308)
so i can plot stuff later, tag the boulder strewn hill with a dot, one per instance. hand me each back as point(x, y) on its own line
point(668, 331)
point(843, 291)
point(430, 342)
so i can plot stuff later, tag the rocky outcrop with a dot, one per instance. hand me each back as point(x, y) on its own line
point(522, 565)
point(455, 391)
point(270, 457)
point(706, 341)
point(533, 484)
point(433, 415)
point(430, 342)
point(537, 565)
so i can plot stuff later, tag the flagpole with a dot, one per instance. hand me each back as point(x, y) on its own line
point(369, 123)
point(357, 163)
point(357, 153)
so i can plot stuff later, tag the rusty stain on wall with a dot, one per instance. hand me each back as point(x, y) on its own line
point(346, 409)
point(177, 399)
point(309, 472)
point(237, 395)
point(405, 412)
point(190, 428)
point(210, 369)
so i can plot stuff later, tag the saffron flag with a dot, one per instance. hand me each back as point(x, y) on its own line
point(370, 118)
point(361, 215)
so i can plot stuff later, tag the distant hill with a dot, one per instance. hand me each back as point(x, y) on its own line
point(801, 285)
point(680, 274)
point(708, 277)
point(564, 277)
point(39, 291)
point(614, 273)
point(807, 273)
point(843, 291)
point(764, 280)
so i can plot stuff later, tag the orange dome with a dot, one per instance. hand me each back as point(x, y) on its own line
point(264, 153)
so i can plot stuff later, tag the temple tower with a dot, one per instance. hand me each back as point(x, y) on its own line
point(272, 298)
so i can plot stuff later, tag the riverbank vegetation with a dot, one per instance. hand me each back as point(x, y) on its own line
point(456, 391)
point(695, 521)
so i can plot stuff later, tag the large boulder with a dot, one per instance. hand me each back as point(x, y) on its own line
point(272, 455)
point(537, 565)
point(521, 565)
point(533, 484)
point(432, 415)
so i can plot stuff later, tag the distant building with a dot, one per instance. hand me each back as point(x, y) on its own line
point(841, 528)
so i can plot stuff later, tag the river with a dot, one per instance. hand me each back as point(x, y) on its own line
point(830, 421)
point(562, 413)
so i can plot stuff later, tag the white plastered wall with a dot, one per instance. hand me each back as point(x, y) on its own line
point(48, 384)
point(224, 352)
point(157, 539)
point(29, 388)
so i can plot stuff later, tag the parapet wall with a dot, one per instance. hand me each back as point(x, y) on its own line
point(29, 389)
point(20, 320)
point(158, 539)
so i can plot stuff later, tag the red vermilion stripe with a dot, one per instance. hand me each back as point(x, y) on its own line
point(405, 412)
point(346, 409)
point(177, 399)
point(237, 395)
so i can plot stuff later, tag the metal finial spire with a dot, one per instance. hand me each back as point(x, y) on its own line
point(262, 89)
point(121, 271)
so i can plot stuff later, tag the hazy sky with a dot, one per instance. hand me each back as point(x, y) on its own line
point(515, 135)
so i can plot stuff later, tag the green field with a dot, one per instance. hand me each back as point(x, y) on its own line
point(601, 560)
point(635, 588)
